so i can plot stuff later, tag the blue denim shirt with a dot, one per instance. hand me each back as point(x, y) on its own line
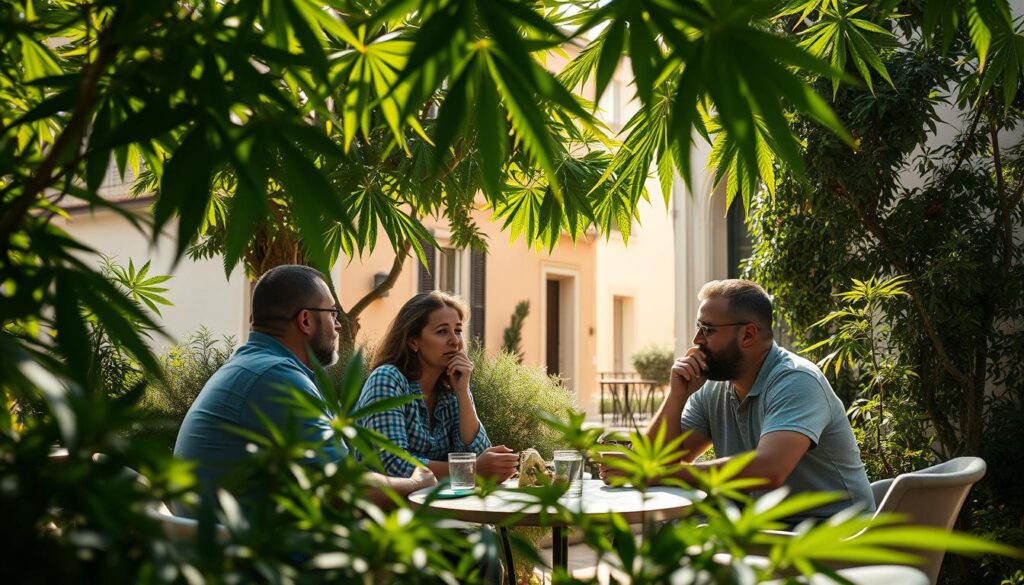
point(254, 379)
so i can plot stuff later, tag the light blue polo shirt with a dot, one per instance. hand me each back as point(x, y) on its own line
point(789, 394)
point(254, 379)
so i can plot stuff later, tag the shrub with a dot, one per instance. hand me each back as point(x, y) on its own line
point(113, 366)
point(510, 398)
point(186, 368)
point(512, 339)
point(654, 363)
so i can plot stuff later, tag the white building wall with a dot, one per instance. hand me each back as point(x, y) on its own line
point(200, 292)
point(701, 240)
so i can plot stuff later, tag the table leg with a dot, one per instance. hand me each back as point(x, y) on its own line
point(602, 402)
point(628, 410)
point(620, 407)
point(560, 547)
point(510, 566)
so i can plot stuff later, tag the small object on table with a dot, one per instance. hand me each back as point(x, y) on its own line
point(569, 470)
point(531, 468)
point(462, 471)
point(449, 493)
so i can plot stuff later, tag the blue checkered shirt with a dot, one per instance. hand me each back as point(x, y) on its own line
point(408, 426)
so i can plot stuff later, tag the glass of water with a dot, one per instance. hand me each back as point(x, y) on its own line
point(462, 471)
point(569, 470)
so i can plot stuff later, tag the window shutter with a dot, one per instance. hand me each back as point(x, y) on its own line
point(477, 293)
point(427, 272)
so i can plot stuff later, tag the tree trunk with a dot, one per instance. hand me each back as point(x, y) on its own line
point(348, 327)
point(268, 252)
point(350, 319)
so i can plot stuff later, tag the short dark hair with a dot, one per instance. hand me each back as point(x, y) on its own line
point(283, 290)
point(746, 299)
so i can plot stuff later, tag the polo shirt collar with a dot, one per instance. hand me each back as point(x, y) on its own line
point(774, 354)
point(271, 345)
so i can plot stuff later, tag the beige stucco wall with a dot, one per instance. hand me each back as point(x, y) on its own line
point(515, 272)
point(642, 271)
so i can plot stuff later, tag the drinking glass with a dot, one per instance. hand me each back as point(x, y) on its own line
point(462, 470)
point(569, 470)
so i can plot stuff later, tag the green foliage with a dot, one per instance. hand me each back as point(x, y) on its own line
point(329, 121)
point(860, 332)
point(186, 368)
point(512, 338)
point(510, 399)
point(654, 363)
point(941, 214)
point(113, 365)
point(884, 418)
point(73, 518)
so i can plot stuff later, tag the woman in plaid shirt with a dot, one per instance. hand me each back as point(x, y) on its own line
point(423, 353)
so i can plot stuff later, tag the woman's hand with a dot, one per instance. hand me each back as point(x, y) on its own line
point(498, 462)
point(459, 369)
point(422, 477)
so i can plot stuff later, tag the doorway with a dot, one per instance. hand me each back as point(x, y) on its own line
point(560, 309)
point(622, 334)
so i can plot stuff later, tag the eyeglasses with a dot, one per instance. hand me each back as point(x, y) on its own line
point(706, 330)
point(335, 311)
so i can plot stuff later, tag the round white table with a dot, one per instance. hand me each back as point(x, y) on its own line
point(659, 504)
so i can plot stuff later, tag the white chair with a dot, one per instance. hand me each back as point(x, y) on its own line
point(880, 488)
point(932, 497)
point(876, 575)
point(180, 528)
point(174, 527)
point(927, 497)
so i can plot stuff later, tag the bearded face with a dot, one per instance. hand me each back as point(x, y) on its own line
point(724, 364)
point(325, 345)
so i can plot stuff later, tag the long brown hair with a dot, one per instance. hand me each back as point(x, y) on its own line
point(409, 323)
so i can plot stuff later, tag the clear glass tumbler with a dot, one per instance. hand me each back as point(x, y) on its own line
point(569, 469)
point(462, 470)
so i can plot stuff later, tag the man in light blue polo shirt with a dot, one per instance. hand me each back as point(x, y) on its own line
point(292, 311)
point(760, 398)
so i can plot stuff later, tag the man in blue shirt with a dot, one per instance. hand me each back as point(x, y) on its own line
point(737, 390)
point(293, 313)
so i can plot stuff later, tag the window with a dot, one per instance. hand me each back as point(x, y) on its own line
point(460, 272)
point(447, 276)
